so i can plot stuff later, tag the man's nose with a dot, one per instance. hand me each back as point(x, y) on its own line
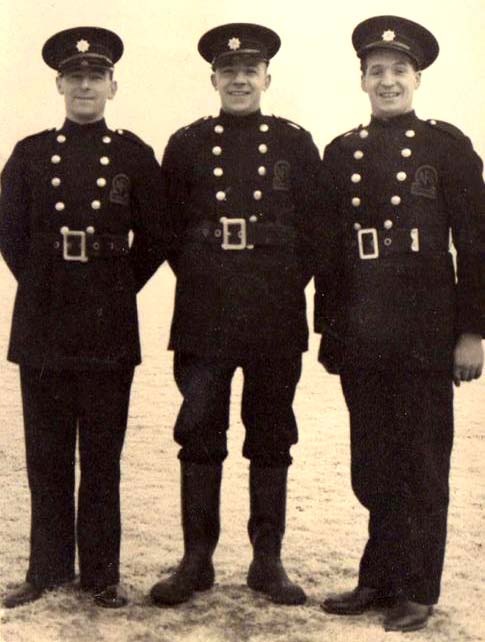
point(240, 77)
point(387, 78)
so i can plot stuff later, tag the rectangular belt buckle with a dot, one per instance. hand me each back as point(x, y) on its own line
point(362, 253)
point(67, 236)
point(228, 225)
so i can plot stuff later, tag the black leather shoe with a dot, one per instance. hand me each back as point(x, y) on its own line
point(111, 597)
point(407, 615)
point(24, 594)
point(355, 602)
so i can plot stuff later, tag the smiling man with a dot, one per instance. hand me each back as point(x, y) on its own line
point(398, 327)
point(70, 197)
point(239, 186)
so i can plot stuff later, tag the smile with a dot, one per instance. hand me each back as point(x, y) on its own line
point(389, 94)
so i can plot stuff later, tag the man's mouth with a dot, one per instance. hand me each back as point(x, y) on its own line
point(389, 94)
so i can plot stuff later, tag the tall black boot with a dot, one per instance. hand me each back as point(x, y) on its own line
point(266, 527)
point(200, 486)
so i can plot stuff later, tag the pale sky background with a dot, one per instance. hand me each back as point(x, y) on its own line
point(164, 83)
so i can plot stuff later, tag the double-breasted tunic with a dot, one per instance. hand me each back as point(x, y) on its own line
point(240, 190)
point(397, 188)
point(70, 198)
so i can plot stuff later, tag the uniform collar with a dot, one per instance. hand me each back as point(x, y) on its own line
point(403, 120)
point(73, 128)
point(239, 121)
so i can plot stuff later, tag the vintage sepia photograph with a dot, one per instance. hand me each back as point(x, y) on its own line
point(242, 273)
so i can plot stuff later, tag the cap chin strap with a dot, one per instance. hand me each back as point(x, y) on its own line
point(104, 61)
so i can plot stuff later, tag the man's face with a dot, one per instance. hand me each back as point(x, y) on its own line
point(240, 83)
point(390, 80)
point(85, 93)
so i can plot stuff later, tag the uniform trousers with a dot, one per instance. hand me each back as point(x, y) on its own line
point(267, 413)
point(58, 406)
point(401, 439)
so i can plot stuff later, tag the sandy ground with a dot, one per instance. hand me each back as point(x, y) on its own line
point(326, 525)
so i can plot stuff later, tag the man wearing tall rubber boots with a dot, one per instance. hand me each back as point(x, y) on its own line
point(239, 187)
point(399, 327)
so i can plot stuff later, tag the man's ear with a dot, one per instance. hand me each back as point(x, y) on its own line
point(113, 90)
point(267, 82)
point(418, 80)
point(214, 81)
point(59, 85)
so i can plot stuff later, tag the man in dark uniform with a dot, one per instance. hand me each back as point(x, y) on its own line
point(69, 199)
point(239, 187)
point(397, 326)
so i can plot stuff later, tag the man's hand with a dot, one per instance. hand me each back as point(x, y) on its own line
point(467, 358)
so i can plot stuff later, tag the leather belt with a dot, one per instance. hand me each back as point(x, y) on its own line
point(82, 245)
point(240, 234)
point(372, 243)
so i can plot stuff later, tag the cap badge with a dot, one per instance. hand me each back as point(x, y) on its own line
point(234, 43)
point(82, 45)
point(389, 35)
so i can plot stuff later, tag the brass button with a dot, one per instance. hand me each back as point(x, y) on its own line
point(410, 133)
point(61, 138)
point(218, 171)
point(56, 181)
point(106, 139)
point(263, 127)
point(356, 178)
point(216, 150)
point(358, 154)
point(96, 205)
point(253, 218)
point(356, 201)
point(363, 133)
point(59, 206)
point(104, 160)
point(55, 159)
point(388, 224)
point(406, 152)
point(401, 176)
point(357, 226)
point(221, 196)
point(219, 129)
point(395, 200)
point(262, 148)
point(262, 170)
point(101, 182)
point(257, 195)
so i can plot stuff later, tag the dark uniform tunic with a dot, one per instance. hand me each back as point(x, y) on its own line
point(390, 324)
point(240, 190)
point(69, 199)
